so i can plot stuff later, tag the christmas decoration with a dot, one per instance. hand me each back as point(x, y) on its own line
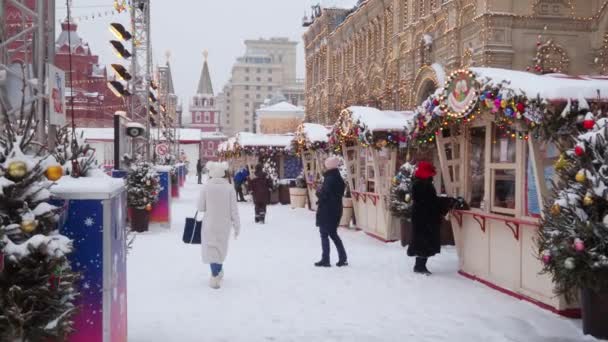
point(75, 156)
point(143, 186)
point(17, 170)
point(579, 150)
point(579, 245)
point(589, 121)
point(270, 168)
point(577, 234)
point(148, 207)
point(546, 257)
point(561, 162)
point(53, 173)
point(31, 247)
point(401, 199)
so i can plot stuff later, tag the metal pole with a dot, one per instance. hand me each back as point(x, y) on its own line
point(39, 58)
point(148, 77)
point(51, 59)
point(116, 141)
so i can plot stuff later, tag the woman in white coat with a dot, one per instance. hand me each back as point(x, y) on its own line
point(218, 202)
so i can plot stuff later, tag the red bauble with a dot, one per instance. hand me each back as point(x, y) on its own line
point(588, 124)
point(579, 151)
point(520, 107)
point(435, 102)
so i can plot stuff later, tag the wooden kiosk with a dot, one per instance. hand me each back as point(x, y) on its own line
point(486, 124)
point(369, 139)
point(310, 143)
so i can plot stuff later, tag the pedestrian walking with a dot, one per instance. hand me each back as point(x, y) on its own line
point(260, 186)
point(329, 212)
point(240, 177)
point(218, 203)
point(199, 171)
point(426, 217)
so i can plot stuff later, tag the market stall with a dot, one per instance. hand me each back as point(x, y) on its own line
point(369, 138)
point(310, 143)
point(495, 131)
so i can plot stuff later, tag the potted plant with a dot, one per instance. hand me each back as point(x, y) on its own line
point(573, 238)
point(401, 200)
point(143, 188)
point(297, 193)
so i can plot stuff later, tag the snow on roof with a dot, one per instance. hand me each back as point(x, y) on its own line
point(213, 135)
point(282, 107)
point(245, 139)
point(227, 145)
point(315, 132)
point(549, 87)
point(381, 120)
point(96, 187)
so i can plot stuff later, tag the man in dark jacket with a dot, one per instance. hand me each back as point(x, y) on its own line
point(329, 212)
point(426, 218)
point(199, 170)
point(239, 179)
point(260, 187)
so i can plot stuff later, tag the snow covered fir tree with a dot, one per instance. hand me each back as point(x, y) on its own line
point(143, 186)
point(573, 241)
point(37, 283)
point(270, 168)
point(401, 191)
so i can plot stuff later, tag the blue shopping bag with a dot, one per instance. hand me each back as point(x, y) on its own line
point(192, 230)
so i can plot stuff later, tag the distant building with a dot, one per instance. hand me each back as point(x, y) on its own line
point(94, 103)
point(279, 118)
point(268, 67)
point(205, 115)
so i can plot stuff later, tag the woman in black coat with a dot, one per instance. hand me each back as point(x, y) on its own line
point(426, 218)
point(260, 187)
point(329, 212)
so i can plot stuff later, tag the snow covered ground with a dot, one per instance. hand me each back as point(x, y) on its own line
point(272, 292)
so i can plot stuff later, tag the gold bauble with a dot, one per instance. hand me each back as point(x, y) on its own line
point(581, 177)
point(408, 198)
point(588, 200)
point(556, 209)
point(54, 173)
point(28, 226)
point(17, 170)
point(148, 207)
point(561, 163)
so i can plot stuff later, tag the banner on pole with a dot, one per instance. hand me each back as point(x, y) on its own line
point(57, 94)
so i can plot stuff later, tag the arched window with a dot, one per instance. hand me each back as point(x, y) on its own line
point(553, 58)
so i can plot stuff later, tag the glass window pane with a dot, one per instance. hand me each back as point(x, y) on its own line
point(477, 161)
point(503, 147)
point(448, 152)
point(504, 189)
point(451, 173)
point(457, 173)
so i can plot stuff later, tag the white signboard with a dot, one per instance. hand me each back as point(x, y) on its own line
point(57, 94)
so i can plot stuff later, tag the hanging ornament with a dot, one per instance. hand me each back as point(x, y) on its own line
point(579, 245)
point(520, 107)
point(588, 200)
point(17, 170)
point(408, 198)
point(55, 279)
point(605, 221)
point(546, 256)
point(589, 121)
point(561, 162)
point(28, 226)
point(581, 177)
point(569, 264)
point(148, 183)
point(54, 173)
point(556, 209)
point(579, 150)
point(148, 207)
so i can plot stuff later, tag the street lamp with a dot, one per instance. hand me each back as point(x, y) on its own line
point(120, 32)
point(120, 50)
point(118, 89)
point(122, 72)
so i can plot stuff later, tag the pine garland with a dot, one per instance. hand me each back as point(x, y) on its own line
point(401, 191)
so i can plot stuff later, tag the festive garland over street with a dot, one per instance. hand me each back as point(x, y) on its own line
point(238, 151)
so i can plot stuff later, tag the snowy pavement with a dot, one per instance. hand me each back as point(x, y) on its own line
point(272, 292)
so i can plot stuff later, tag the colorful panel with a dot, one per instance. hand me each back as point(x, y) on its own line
point(162, 209)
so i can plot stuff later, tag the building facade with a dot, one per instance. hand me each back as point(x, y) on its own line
point(94, 104)
point(268, 67)
point(392, 54)
point(279, 118)
point(205, 115)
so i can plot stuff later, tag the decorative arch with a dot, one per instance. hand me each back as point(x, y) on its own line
point(425, 83)
point(553, 57)
point(467, 14)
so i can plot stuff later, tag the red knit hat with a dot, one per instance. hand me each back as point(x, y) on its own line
point(425, 170)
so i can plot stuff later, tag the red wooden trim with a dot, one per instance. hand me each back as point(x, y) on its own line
point(570, 313)
point(458, 216)
point(379, 238)
point(498, 218)
point(374, 198)
point(514, 226)
point(355, 195)
point(364, 197)
point(481, 220)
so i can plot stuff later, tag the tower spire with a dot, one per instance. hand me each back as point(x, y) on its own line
point(204, 84)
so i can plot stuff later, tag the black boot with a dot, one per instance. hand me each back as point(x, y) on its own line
point(420, 266)
point(342, 263)
point(323, 263)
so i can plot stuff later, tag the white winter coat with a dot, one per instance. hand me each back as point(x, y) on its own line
point(218, 202)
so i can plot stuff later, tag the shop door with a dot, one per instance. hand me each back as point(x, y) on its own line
point(450, 146)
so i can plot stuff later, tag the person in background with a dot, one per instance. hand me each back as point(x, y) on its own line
point(329, 212)
point(426, 218)
point(218, 203)
point(199, 171)
point(260, 186)
point(239, 179)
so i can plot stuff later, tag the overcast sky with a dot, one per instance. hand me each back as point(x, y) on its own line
point(187, 27)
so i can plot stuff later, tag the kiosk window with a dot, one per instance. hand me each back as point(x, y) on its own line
point(477, 166)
